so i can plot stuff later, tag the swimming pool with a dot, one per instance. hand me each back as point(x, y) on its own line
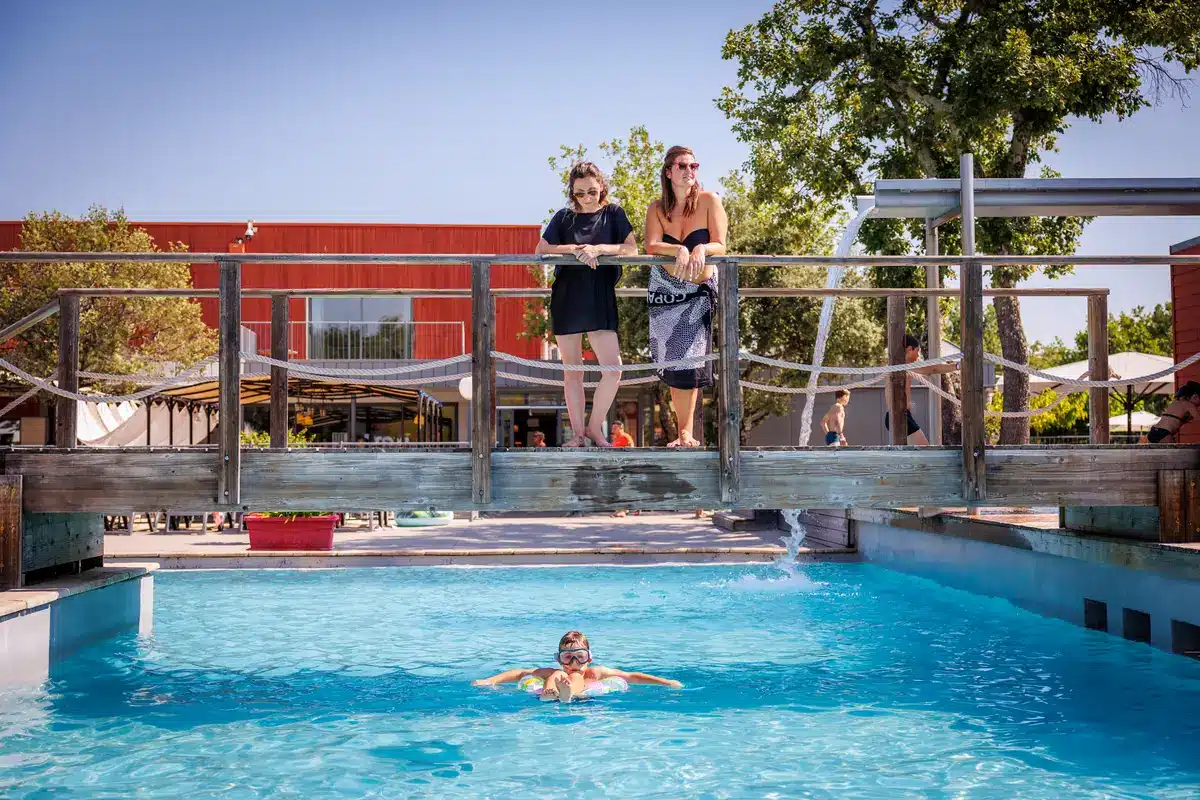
point(863, 683)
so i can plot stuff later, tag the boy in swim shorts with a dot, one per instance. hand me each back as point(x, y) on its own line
point(575, 676)
point(834, 421)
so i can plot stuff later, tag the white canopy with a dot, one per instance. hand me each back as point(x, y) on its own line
point(1141, 420)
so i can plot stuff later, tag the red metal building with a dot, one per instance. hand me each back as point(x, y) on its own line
point(420, 328)
point(1185, 298)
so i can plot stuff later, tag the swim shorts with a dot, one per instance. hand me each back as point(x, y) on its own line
point(913, 427)
point(831, 437)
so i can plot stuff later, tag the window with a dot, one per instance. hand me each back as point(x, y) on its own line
point(377, 328)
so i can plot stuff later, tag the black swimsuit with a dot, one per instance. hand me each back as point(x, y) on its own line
point(681, 316)
point(1157, 434)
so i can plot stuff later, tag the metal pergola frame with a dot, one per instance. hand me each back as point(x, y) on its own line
point(942, 200)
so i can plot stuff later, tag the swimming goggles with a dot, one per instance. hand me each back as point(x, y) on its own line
point(580, 655)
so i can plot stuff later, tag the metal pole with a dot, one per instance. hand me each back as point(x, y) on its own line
point(971, 298)
point(933, 328)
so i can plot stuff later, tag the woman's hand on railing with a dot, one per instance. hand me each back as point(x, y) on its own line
point(588, 254)
point(695, 264)
point(680, 268)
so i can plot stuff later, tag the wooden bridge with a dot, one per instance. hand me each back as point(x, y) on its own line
point(72, 478)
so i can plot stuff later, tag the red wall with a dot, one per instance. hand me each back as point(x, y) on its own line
point(304, 237)
point(1185, 297)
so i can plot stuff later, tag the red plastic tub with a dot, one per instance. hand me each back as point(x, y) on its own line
point(291, 533)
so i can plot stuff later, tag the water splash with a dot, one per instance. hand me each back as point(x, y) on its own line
point(793, 580)
point(833, 280)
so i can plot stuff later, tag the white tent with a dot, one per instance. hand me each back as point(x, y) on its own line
point(120, 424)
point(1141, 420)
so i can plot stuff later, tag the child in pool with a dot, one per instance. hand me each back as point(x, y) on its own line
point(576, 675)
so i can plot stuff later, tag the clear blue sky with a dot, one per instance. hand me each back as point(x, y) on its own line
point(423, 112)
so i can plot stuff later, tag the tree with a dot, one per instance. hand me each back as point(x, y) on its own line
point(832, 91)
point(116, 334)
point(759, 224)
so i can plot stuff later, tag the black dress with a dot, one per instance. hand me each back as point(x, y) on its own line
point(584, 299)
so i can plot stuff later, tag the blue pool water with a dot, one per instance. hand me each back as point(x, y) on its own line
point(851, 682)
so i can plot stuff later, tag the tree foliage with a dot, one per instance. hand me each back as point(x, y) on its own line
point(832, 92)
point(115, 334)
point(778, 222)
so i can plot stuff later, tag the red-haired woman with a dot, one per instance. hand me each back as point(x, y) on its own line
point(687, 224)
point(583, 298)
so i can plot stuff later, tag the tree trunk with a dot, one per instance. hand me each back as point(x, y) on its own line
point(1013, 430)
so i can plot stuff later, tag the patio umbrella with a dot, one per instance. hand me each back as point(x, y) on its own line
point(1141, 421)
point(1127, 364)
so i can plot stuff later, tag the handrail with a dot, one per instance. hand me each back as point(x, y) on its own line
point(530, 292)
point(458, 259)
point(28, 321)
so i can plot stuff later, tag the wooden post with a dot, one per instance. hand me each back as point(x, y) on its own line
point(933, 329)
point(483, 383)
point(1098, 368)
point(10, 532)
point(729, 397)
point(353, 423)
point(1179, 506)
point(971, 298)
point(170, 422)
point(191, 411)
point(280, 328)
point(897, 381)
point(229, 329)
point(66, 419)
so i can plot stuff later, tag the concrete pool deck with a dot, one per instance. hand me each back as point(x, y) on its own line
point(593, 539)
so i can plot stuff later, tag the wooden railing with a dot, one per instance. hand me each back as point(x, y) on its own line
point(230, 293)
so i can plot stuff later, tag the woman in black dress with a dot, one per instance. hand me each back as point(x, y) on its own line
point(583, 298)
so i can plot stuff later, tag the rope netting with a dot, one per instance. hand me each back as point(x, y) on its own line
point(158, 382)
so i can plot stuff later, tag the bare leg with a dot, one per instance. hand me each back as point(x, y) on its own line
point(684, 401)
point(571, 348)
point(604, 343)
point(558, 687)
point(918, 439)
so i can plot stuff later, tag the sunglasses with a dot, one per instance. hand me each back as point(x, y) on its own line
point(588, 193)
point(692, 167)
point(579, 656)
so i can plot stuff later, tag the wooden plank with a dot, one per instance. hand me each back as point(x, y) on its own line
point(352, 481)
point(229, 363)
point(1191, 504)
point(933, 328)
point(10, 532)
point(587, 479)
point(66, 417)
point(483, 383)
point(452, 260)
point(1098, 412)
point(280, 327)
point(729, 392)
point(114, 481)
point(971, 336)
point(897, 397)
point(825, 520)
point(28, 321)
point(1080, 477)
point(850, 476)
point(57, 539)
point(1135, 522)
point(1172, 506)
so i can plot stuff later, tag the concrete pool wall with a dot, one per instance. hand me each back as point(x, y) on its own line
point(44, 624)
point(1140, 590)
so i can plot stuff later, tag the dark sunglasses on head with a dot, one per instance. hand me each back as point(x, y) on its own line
point(588, 193)
point(692, 167)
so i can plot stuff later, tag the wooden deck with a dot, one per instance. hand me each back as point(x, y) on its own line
point(184, 479)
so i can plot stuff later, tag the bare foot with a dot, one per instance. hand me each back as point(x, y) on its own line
point(619, 513)
point(702, 514)
point(687, 440)
point(565, 693)
point(598, 438)
point(577, 441)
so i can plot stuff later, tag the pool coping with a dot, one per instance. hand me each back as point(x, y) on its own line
point(1137, 554)
point(508, 556)
point(15, 602)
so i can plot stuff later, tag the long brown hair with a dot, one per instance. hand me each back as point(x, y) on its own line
point(667, 202)
point(585, 169)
